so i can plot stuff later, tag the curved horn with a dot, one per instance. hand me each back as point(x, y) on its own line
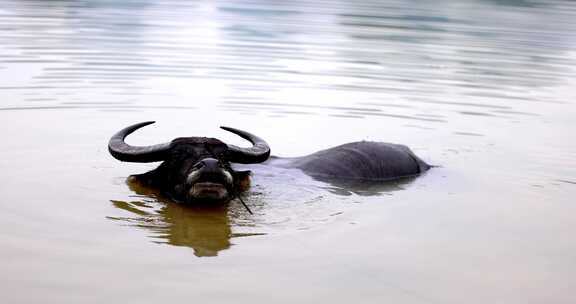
point(259, 152)
point(125, 152)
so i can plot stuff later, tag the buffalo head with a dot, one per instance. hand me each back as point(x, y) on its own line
point(193, 169)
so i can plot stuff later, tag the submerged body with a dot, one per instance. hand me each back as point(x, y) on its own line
point(364, 160)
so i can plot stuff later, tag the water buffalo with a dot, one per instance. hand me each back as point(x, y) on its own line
point(193, 169)
point(198, 169)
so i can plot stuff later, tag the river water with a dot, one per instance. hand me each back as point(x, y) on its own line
point(485, 90)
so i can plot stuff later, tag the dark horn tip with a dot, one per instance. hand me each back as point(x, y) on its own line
point(145, 123)
point(226, 128)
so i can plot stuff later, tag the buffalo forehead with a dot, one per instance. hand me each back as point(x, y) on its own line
point(198, 147)
point(198, 140)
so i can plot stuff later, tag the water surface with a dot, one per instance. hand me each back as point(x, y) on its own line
point(483, 89)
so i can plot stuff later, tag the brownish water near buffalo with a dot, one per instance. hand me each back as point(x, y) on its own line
point(483, 89)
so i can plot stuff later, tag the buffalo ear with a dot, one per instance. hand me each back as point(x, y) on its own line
point(242, 180)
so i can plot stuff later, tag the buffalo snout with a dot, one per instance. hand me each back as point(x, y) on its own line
point(210, 180)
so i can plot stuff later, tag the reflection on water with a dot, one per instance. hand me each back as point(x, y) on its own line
point(364, 187)
point(206, 230)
